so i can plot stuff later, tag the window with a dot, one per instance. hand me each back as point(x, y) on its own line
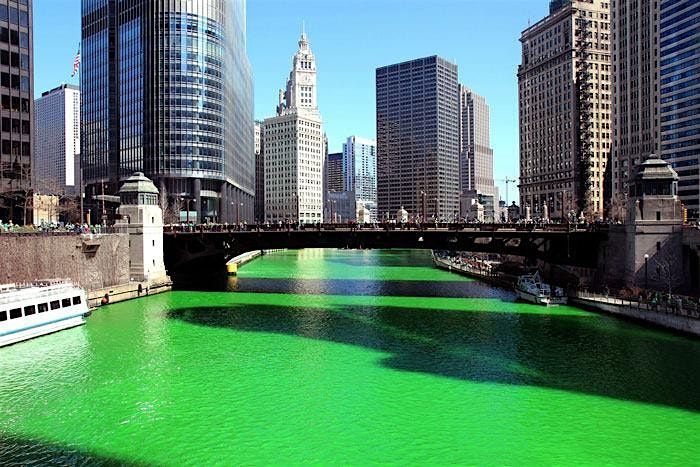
point(55, 305)
point(15, 313)
point(65, 302)
point(43, 307)
point(76, 300)
point(3, 315)
point(29, 310)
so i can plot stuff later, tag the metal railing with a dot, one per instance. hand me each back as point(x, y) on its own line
point(436, 226)
point(673, 305)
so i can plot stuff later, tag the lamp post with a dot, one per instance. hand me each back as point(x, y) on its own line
point(646, 271)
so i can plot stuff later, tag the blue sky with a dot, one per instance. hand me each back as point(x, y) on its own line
point(350, 39)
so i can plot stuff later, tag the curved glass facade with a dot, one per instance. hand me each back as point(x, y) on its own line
point(179, 102)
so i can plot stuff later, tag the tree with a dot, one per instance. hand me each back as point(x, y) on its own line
point(170, 216)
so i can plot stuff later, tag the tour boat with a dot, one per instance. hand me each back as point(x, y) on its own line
point(531, 288)
point(38, 308)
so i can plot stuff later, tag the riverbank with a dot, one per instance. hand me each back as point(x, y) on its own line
point(676, 318)
point(131, 290)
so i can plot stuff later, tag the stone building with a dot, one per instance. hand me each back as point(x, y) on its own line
point(564, 87)
point(635, 55)
point(142, 219)
point(475, 152)
point(294, 148)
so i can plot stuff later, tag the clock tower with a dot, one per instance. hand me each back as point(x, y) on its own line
point(301, 85)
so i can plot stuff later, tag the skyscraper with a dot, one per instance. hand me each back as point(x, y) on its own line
point(334, 172)
point(565, 106)
point(167, 90)
point(476, 154)
point(259, 175)
point(294, 147)
point(360, 171)
point(16, 94)
point(418, 138)
point(57, 141)
point(679, 84)
point(635, 55)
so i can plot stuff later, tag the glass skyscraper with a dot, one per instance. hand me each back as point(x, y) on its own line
point(167, 90)
point(679, 83)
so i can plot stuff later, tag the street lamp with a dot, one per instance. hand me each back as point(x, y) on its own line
point(646, 271)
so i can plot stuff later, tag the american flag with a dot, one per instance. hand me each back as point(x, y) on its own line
point(76, 63)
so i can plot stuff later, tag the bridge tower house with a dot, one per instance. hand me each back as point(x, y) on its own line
point(142, 219)
point(647, 250)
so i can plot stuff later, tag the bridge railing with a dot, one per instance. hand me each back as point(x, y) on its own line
point(439, 226)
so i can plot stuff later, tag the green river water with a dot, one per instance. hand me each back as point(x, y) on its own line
point(350, 357)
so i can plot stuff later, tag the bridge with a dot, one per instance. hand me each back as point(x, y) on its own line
point(190, 249)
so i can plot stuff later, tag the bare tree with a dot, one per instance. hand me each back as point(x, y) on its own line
point(166, 206)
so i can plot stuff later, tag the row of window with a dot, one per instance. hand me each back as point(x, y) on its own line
point(29, 310)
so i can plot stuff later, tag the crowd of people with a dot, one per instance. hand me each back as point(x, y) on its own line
point(52, 227)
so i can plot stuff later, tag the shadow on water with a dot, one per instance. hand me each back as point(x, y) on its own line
point(369, 287)
point(583, 354)
point(21, 451)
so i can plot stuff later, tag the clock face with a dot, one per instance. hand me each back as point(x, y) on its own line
point(306, 79)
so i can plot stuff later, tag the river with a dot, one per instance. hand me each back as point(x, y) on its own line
point(350, 357)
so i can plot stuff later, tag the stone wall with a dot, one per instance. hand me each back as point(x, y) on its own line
point(91, 261)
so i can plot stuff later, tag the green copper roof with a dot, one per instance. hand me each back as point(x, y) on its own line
point(138, 183)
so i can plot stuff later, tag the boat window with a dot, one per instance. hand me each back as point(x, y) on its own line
point(65, 302)
point(76, 300)
point(55, 305)
point(43, 307)
point(15, 313)
point(29, 310)
point(3, 316)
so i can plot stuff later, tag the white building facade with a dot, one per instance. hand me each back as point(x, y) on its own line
point(360, 172)
point(56, 169)
point(294, 147)
point(476, 154)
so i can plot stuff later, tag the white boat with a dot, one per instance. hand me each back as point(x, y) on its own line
point(38, 308)
point(531, 288)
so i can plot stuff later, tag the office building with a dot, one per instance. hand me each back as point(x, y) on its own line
point(57, 141)
point(16, 95)
point(259, 175)
point(334, 172)
point(360, 172)
point(418, 139)
point(679, 86)
point(294, 147)
point(634, 27)
point(167, 90)
point(475, 152)
point(564, 86)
